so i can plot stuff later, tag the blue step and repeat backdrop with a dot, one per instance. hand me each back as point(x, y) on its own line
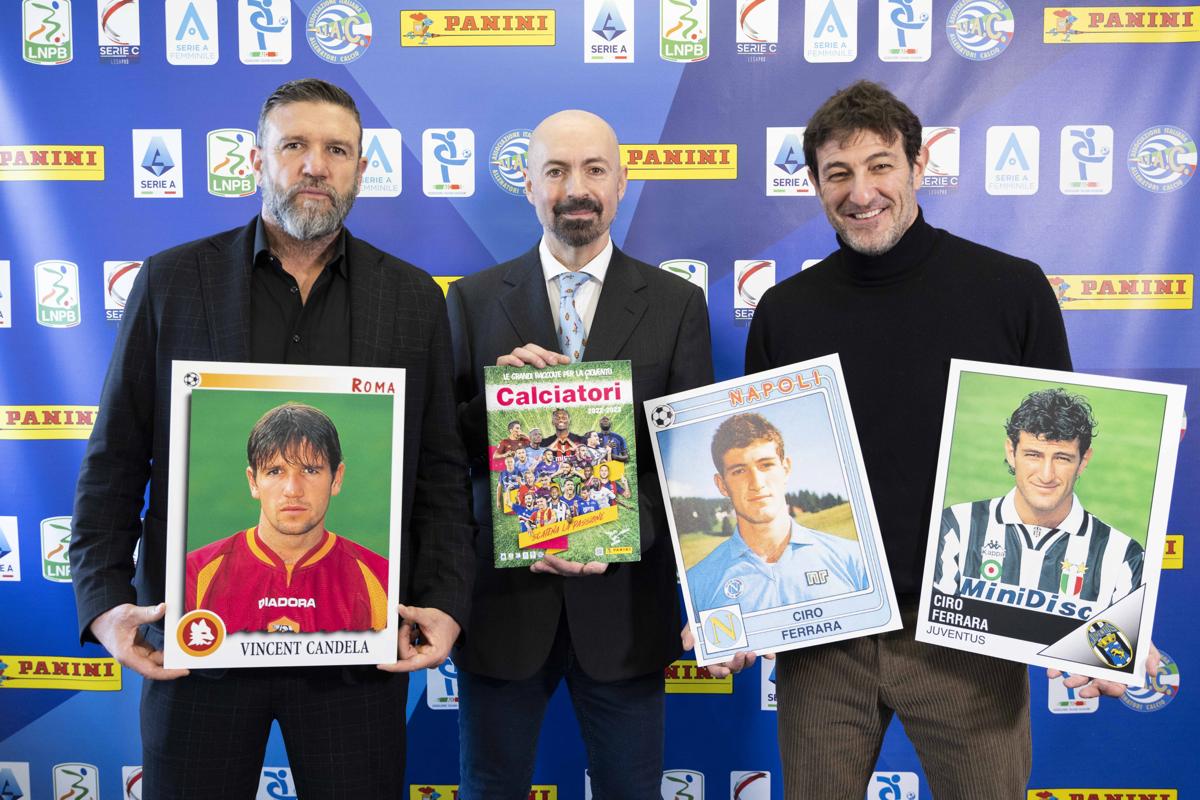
point(1064, 134)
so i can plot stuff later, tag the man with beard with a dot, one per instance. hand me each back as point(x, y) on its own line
point(292, 286)
point(608, 630)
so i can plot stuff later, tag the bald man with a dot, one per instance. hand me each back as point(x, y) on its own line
point(608, 631)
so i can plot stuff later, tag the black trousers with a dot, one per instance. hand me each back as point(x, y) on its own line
point(204, 736)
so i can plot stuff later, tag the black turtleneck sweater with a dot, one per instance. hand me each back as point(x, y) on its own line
point(895, 321)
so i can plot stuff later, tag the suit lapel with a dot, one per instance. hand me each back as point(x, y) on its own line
point(526, 303)
point(225, 282)
point(367, 301)
point(619, 311)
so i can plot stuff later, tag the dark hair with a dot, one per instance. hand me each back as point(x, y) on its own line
point(743, 430)
point(862, 106)
point(1053, 414)
point(291, 430)
point(308, 90)
point(514, 424)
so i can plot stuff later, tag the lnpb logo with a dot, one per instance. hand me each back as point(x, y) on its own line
point(46, 31)
point(339, 31)
point(265, 31)
point(131, 783)
point(10, 554)
point(119, 31)
point(448, 162)
point(751, 279)
point(750, 785)
point(384, 150)
point(683, 30)
point(60, 672)
point(56, 543)
point(894, 786)
point(787, 174)
point(1012, 160)
point(118, 280)
point(666, 162)
point(46, 422)
point(14, 780)
point(229, 170)
point(1104, 292)
point(980, 29)
point(508, 161)
point(441, 687)
point(757, 28)
point(75, 781)
point(523, 27)
point(1062, 699)
point(690, 270)
point(192, 33)
point(1162, 158)
point(608, 32)
point(1102, 794)
point(830, 31)
point(275, 783)
point(56, 284)
point(200, 633)
point(5, 295)
point(682, 784)
point(685, 677)
point(1172, 552)
point(1108, 24)
point(1085, 159)
point(51, 162)
point(1159, 689)
point(157, 163)
point(942, 169)
point(905, 30)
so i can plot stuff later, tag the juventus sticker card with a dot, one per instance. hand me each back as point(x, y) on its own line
point(775, 534)
point(1049, 517)
point(283, 530)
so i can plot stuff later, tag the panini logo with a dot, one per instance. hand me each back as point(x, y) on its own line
point(685, 677)
point(478, 28)
point(680, 162)
point(54, 672)
point(51, 162)
point(1173, 552)
point(1096, 292)
point(47, 422)
point(427, 791)
point(1102, 794)
point(1108, 24)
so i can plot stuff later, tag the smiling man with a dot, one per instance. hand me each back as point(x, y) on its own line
point(897, 300)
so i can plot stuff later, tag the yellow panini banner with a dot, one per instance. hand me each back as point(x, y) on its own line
point(680, 162)
point(1102, 794)
point(60, 672)
point(47, 422)
point(1173, 552)
point(51, 162)
point(1120, 24)
point(1105, 292)
point(444, 281)
point(686, 677)
point(477, 27)
point(557, 530)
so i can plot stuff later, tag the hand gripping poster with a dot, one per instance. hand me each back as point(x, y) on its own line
point(563, 463)
point(771, 517)
point(283, 530)
point(1049, 517)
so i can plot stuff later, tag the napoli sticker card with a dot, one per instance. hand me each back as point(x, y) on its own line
point(1049, 517)
point(771, 517)
point(284, 503)
point(563, 463)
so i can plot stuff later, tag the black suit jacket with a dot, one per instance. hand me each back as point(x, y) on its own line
point(625, 622)
point(193, 302)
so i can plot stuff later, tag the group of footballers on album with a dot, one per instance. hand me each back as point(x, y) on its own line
point(560, 477)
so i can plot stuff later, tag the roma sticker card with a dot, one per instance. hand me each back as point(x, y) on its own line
point(563, 463)
point(771, 517)
point(283, 530)
point(1049, 517)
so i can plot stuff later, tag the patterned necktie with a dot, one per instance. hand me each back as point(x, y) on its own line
point(573, 336)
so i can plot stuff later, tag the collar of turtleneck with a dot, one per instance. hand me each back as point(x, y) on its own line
point(897, 264)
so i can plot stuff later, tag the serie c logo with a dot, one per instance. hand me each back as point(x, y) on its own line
point(1162, 158)
point(980, 29)
point(200, 633)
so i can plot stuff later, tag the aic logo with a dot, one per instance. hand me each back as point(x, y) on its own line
point(10, 554)
point(56, 540)
point(1085, 159)
point(192, 33)
point(608, 33)
point(56, 284)
point(751, 279)
point(508, 160)
point(682, 784)
point(1160, 688)
point(757, 28)
point(1105, 25)
point(265, 31)
point(478, 28)
point(383, 148)
point(46, 31)
point(441, 687)
point(1162, 158)
point(339, 31)
point(1012, 160)
point(119, 30)
point(905, 31)
point(157, 163)
point(229, 171)
point(448, 162)
point(690, 270)
point(980, 29)
point(40, 162)
point(752, 785)
point(14, 780)
point(76, 780)
point(118, 280)
point(894, 786)
point(787, 174)
point(830, 31)
point(683, 30)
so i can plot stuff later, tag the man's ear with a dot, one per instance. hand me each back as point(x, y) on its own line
point(251, 481)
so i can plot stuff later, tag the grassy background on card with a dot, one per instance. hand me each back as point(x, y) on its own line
point(219, 501)
point(1118, 484)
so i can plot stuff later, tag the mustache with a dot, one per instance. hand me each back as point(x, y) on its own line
point(312, 183)
point(577, 204)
